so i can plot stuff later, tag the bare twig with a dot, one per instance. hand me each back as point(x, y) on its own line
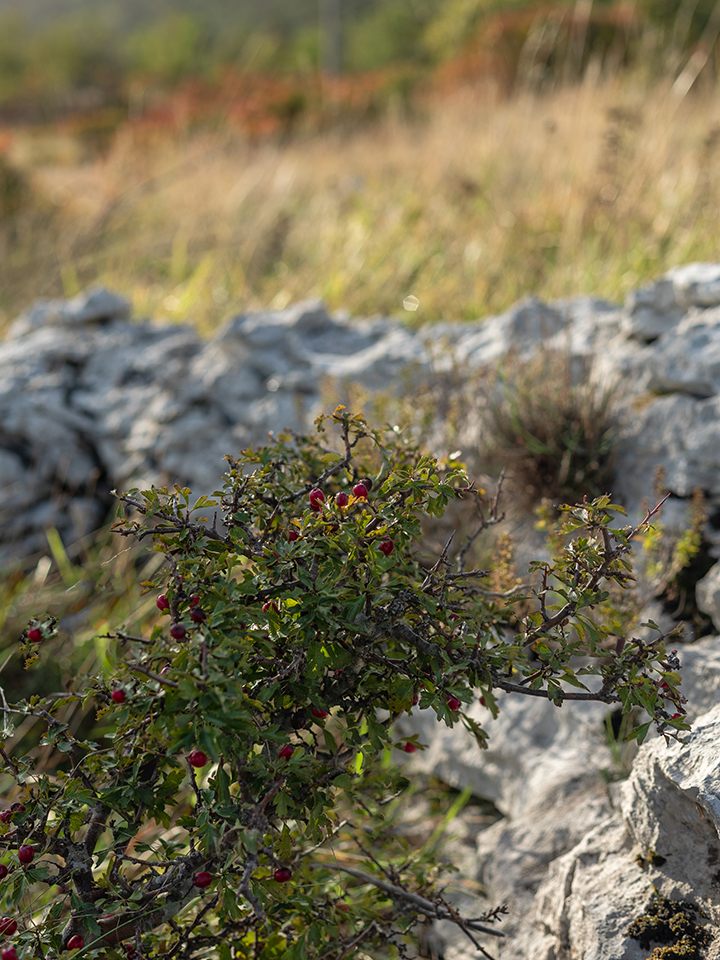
point(434, 910)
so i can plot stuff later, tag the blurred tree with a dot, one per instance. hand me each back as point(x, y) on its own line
point(14, 34)
point(172, 47)
point(391, 31)
point(683, 21)
point(73, 53)
point(331, 33)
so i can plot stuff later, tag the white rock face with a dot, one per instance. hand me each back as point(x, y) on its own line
point(707, 595)
point(564, 856)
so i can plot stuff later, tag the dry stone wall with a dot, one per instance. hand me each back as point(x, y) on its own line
point(91, 400)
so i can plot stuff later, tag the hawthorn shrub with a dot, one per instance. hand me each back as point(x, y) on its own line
point(230, 801)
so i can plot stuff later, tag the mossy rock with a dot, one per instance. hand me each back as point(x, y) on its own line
point(673, 925)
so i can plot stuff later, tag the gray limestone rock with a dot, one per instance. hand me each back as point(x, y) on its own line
point(92, 306)
point(707, 595)
point(651, 311)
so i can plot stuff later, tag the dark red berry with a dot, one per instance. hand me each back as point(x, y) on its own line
point(453, 703)
point(3, 871)
point(6, 816)
point(197, 615)
point(270, 605)
point(316, 496)
point(17, 807)
point(76, 943)
point(26, 853)
point(194, 600)
point(293, 535)
point(34, 635)
point(8, 926)
point(415, 699)
point(387, 547)
point(196, 758)
point(286, 752)
point(178, 631)
point(360, 491)
point(410, 747)
point(118, 696)
point(283, 874)
point(202, 879)
point(341, 499)
point(9, 953)
point(320, 714)
point(162, 603)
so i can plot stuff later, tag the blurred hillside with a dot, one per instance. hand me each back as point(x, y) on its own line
point(195, 155)
point(61, 55)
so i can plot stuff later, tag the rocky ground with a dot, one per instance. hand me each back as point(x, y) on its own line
point(92, 400)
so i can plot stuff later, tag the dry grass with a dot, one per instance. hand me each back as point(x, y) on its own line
point(553, 435)
point(467, 207)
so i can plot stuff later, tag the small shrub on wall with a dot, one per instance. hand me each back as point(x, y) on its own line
point(553, 433)
point(229, 802)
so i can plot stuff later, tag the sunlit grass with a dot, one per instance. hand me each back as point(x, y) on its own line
point(468, 206)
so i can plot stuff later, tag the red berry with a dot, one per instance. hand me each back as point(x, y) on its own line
point(162, 603)
point(202, 879)
point(320, 714)
point(270, 605)
point(387, 547)
point(676, 716)
point(341, 499)
point(26, 853)
point(360, 491)
point(194, 601)
point(76, 943)
point(118, 696)
point(34, 635)
point(293, 535)
point(178, 631)
point(3, 871)
point(17, 807)
point(415, 699)
point(6, 816)
point(283, 874)
point(453, 703)
point(286, 752)
point(410, 747)
point(9, 953)
point(342, 906)
point(8, 926)
point(482, 701)
point(316, 496)
point(196, 758)
point(197, 615)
